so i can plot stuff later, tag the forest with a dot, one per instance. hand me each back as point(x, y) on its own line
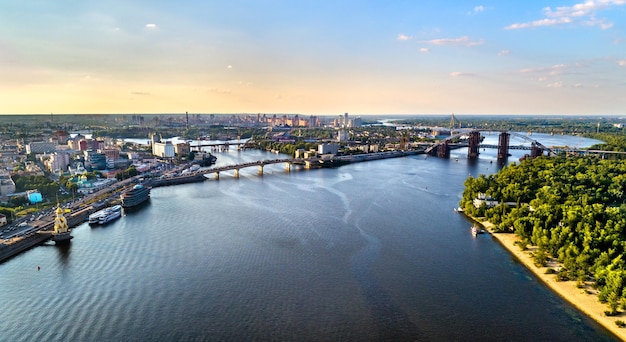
point(572, 208)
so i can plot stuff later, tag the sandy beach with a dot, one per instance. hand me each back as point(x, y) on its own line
point(585, 299)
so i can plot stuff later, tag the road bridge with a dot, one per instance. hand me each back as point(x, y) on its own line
point(197, 146)
point(307, 163)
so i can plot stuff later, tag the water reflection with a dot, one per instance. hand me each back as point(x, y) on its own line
point(63, 254)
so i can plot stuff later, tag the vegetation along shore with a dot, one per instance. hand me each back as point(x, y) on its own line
point(565, 219)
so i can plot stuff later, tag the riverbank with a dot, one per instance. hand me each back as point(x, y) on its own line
point(583, 298)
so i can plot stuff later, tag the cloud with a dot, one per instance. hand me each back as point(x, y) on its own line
point(461, 74)
point(557, 84)
point(588, 8)
point(403, 37)
point(151, 26)
point(229, 66)
point(622, 62)
point(554, 70)
point(140, 93)
point(539, 23)
point(476, 10)
point(584, 13)
point(461, 41)
point(219, 91)
point(504, 52)
point(425, 50)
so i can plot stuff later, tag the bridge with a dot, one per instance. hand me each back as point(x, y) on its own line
point(216, 146)
point(259, 164)
point(442, 149)
point(307, 163)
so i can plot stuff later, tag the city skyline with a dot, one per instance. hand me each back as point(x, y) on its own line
point(313, 57)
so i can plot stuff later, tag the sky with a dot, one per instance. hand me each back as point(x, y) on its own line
point(314, 57)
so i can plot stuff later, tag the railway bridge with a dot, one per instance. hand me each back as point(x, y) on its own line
point(442, 149)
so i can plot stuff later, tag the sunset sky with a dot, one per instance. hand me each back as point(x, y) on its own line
point(313, 57)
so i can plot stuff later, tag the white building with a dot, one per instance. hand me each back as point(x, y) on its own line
point(163, 150)
point(58, 162)
point(328, 149)
point(342, 135)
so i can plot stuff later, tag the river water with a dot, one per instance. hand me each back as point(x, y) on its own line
point(364, 252)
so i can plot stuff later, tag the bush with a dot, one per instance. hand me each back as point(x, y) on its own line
point(540, 258)
point(521, 244)
point(620, 323)
point(550, 271)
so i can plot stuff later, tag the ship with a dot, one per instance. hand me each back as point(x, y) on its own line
point(105, 215)
point(61, 234)
point(111, 213)
point(135, 196)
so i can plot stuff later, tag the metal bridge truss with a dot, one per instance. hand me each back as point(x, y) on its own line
point(442, 149)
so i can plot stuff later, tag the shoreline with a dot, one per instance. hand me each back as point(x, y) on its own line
point(584, 298)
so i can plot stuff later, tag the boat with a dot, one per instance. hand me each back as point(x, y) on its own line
point(61, 234)
point(95, 217)
point(475, 230)
point(135, 196)
point(105, 215)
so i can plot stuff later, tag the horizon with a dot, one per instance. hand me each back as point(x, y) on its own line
point(313, 57)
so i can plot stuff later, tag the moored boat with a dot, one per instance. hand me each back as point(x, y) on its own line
point(95, 217)
point(110, 214)
point(135, 196)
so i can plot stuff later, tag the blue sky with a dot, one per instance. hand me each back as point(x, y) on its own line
point(313, 57)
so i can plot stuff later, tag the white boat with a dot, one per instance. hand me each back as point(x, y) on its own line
point(95, 217)
point(106, 215)
point(111, 213)
point(475, 231)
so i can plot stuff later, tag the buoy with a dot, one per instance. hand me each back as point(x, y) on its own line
point(38, 268)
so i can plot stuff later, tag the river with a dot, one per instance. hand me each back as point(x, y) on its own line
point(365, 252)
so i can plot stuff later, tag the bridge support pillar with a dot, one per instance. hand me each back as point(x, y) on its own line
point(503, 147)
point(287, 167)
point(443, 150)
point(260, 170)
point(473, 145)
point(217, 175)
point(535, 151)
point(236, 175)
point(307, 164)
